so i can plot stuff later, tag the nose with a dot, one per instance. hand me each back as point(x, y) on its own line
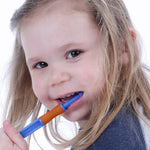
point(58, 76)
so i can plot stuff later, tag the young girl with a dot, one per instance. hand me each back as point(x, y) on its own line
point(66, 46)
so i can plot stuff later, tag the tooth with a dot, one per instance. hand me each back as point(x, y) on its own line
point(69, 95)
point(62, 98)
point(73, 94)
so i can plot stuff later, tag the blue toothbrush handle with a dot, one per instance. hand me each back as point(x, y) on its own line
point(32, 127)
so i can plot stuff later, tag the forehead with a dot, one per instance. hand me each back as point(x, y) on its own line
point(56, 10)
point(60, 24)
point(55, 5)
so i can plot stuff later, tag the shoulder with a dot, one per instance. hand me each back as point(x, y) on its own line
point(124, 133)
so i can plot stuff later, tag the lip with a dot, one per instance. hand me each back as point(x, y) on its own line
point(75, 104)
point(65, 95)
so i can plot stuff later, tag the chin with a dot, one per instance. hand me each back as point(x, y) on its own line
point(76, 117)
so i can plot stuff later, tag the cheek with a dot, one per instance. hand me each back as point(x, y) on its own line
point(94, 78)
point(37, 89)
point(92, 74)
point(40, 91)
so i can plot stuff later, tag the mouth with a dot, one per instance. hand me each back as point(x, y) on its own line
point(68, 97)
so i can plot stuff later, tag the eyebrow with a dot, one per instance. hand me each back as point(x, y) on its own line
point(70, 44)
point(64, 46)
point(34, 59)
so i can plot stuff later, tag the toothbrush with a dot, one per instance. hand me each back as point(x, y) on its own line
point(43, 120)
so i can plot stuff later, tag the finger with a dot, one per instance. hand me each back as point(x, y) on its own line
point(3, 136)
point(5, 142)
point(14, 135)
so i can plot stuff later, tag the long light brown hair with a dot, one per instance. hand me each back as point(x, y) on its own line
point(126, 85)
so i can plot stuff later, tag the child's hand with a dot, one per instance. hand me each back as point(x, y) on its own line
point(11, 139)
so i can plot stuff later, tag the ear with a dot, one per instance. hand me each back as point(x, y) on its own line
point(124, 56)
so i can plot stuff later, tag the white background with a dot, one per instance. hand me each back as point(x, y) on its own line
point(139, 12)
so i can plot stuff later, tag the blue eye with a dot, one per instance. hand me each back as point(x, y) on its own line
point(73, 54)
point(40, 65)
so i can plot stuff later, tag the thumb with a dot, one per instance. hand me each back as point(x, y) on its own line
point(14, 135)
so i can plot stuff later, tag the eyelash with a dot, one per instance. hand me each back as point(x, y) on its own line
point(73, 54)
point(40, 65)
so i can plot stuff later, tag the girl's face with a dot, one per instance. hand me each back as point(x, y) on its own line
point(64, 55)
